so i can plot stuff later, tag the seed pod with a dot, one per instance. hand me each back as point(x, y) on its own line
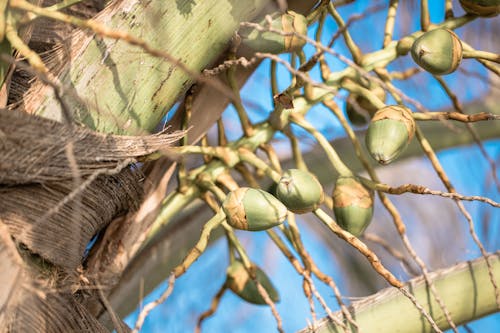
point(240, 282)
point(483, 8)
point(438, 51)
point(300, 191)
point(352, 205)
point(272, 42)
point(359, 109)
point(251, 209)
point(389, 133)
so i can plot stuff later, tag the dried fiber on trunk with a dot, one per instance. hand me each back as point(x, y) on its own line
point(35, 149)
point(57, 220)
point(11, 277)
point(28, 305)
point(46, 311)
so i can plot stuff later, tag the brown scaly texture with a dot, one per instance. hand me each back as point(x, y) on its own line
point(51, 214)
point(34, 149)
point(57, 226)
point(30, 305)
point(45, 209)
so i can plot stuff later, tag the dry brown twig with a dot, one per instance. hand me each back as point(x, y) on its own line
point(150, 306)
point(429, 152)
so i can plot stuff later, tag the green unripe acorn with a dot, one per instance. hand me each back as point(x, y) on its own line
point(438, 51)
point(272, 42)
point(300, 191)
point(389, 132)
point(483, 8)
point(360, 114)
point(352, 205)
point(239, 281)
point(252, 209)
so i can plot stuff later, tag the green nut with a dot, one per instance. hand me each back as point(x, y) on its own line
point(359, 109)
point(483, 8)
point(352, 205)
point(251, 209)
point(300, 191)
point(272, 42)
point(240, 282)
point(438, 51)
point(389, 132)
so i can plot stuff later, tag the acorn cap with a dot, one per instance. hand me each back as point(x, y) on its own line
point(272, 42)
point(360, 114)
point(240, 282)
point(252, 209)
point(300, 191)
point(483, 8)
point(389, 133)
point(352, 205)
point(438, 51)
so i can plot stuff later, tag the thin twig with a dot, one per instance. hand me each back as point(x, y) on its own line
point(309, 263)
point(213, 307)
point(392, 251)
point(465, 118)
point(360, 246)
point(429, 152)
point(419, 189)
point(117, 322)
point(458, 106)
point(295, 264)
point(150, 306)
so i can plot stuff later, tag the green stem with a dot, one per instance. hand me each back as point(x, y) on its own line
point(17, 43)
point(477, 54)
point(383, 57)
point(332, 155)
point(362, 91)
point(351, 45)
point(201, 245)
point(3, 11)
point(389, 22)
point(250, 157)
point(424, 15)
point(237, 245)
point(238, 105)
point(171, 206)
